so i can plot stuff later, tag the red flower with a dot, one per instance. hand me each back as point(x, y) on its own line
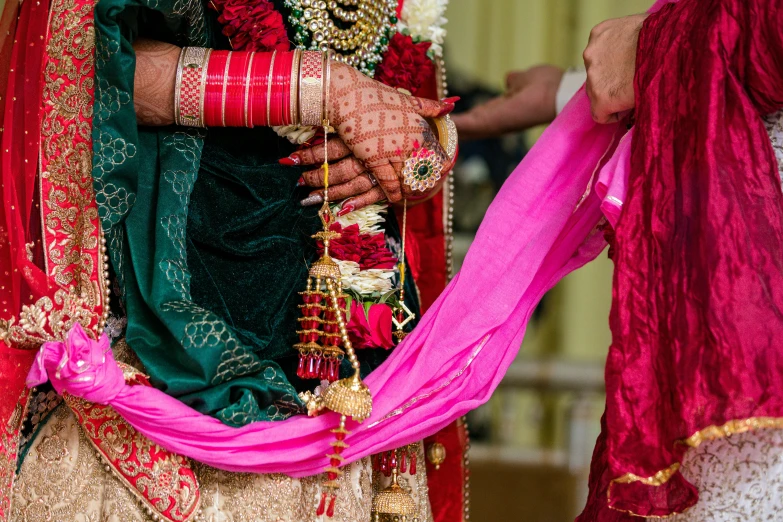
point(255, 26)
point(369, 250)
point(373, 329)
point(405, 64)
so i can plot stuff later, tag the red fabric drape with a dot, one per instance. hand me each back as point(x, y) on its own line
point(697, 315)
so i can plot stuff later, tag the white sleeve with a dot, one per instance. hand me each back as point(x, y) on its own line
point(572, 81)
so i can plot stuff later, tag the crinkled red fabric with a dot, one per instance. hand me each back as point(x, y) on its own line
point(697, 314)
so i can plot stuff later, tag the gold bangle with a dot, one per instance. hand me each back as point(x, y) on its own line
point(225, 84)
point(311, 77)
point(191, 83)
point(447, 135)
point(294, 98)
point(327, 84)
point(247, 87)
point(269, 90)
point(177, 85)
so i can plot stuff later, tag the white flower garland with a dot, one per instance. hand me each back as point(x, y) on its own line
point(424, 20)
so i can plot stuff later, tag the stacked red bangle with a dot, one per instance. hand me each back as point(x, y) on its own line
point(245, 89)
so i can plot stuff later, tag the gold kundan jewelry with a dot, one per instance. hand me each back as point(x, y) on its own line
point(358, 31)
point(422, 170)
point(190, 86)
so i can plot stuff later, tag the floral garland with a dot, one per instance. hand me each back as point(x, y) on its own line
point(368, 266)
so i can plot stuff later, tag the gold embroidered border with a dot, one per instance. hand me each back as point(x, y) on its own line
point(9, 447)
point(163, 482)
point(70, 227)
point(709, 433)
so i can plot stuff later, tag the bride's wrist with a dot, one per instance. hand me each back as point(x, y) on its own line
point(249, 89)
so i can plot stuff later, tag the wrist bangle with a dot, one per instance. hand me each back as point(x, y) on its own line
point(246, 105)
point(189, 91)
point(311, 78)
point(327, 84)
point(294, 88)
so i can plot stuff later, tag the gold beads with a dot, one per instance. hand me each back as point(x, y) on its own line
point(436, 454)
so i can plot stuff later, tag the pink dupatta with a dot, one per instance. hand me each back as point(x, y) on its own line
point(535, 233)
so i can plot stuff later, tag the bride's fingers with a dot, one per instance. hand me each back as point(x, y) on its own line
point(354, 187)
point(389, 180)
point(340, 172)
point(315, 154)
point(433, 108)
point(375, 195)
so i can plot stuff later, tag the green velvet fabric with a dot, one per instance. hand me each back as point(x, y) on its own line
point(206, 238)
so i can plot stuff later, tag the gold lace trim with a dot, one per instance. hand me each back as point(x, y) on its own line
point(46, 320)
point(709, 433)
point(71, 231)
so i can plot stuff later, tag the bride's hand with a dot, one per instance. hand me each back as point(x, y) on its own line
point(349, 179)
point(381, 127)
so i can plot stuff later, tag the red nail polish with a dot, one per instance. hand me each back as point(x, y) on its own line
point(446, 110)
point(345, 210)
point(300, 182)
point(452, 100)
point(290, 161)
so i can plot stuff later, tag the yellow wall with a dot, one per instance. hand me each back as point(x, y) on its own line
point(486, 39)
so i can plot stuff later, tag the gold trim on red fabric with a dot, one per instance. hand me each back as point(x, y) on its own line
point(709, 433)
point(162, 481)
point(70, 227)
point(9, 449)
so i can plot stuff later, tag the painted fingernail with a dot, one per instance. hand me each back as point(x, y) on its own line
point(446, 110)
point(345, 210)
point(290, 161)
point(312, 200)
point(300, 182)
point(452, 100)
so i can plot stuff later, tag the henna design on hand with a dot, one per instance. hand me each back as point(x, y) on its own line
point(154, 82)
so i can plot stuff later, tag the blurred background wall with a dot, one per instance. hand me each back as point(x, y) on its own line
point(533, 441)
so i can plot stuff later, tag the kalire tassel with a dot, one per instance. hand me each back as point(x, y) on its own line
point(393, 502)
point(323, 318)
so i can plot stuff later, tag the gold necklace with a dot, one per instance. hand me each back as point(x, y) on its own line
point(357, 31)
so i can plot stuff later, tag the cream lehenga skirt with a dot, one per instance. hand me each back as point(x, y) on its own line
point(62, 479)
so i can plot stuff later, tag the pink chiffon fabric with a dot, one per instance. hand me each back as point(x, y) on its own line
point(540, 227)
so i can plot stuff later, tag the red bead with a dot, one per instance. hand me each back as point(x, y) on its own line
point(300, 370)
point(331, 475)
point(321, 506)
point(317, 298)
point(413, 464)
point(384, 463)
point(334, 461)
point(340, 435)
point(311, 367)
point(403, 464)
point(337, 449)
point(330, 511)
point(306, 298)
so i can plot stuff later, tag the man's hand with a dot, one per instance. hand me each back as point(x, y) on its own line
point(529, 100)
point(610, 60)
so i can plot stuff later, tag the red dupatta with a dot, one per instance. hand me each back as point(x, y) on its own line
point(697, 315)
point(51, 265)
